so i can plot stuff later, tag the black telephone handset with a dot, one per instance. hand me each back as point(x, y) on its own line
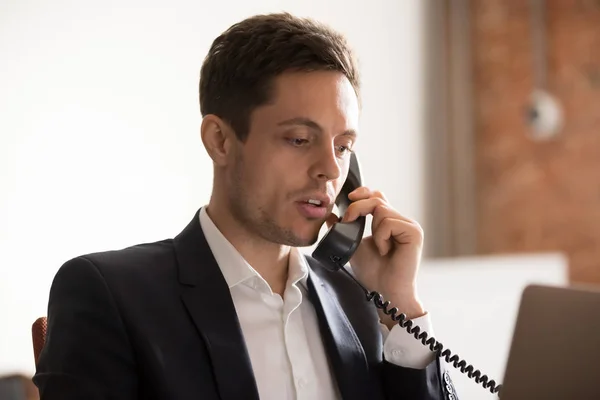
point(337, 247)
point(342, 239)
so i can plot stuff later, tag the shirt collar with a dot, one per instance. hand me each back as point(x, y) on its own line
point(235, 268)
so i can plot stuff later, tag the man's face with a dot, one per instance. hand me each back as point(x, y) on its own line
point(297, 150)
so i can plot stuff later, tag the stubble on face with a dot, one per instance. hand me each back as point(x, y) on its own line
point(254, 217)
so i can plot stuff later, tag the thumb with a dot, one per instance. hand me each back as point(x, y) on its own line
point(332, 219)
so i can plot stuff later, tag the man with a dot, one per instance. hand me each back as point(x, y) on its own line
point(230, 308)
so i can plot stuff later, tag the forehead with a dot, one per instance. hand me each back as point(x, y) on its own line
point(327, 97)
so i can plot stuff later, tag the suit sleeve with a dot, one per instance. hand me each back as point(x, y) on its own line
point(430, 383)
point(87, 354)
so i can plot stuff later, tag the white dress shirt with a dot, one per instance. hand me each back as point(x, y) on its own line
point(282, 334)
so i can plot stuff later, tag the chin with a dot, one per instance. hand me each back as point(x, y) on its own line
point(298, 232)
point(302, 242)
point(307, 241)
point(308, 236)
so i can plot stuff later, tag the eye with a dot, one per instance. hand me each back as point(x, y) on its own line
point(344, 149)
point(297, 141)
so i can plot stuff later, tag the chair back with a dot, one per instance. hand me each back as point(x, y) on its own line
point(38, 333)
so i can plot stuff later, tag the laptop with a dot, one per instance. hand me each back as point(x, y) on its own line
point(555, 350)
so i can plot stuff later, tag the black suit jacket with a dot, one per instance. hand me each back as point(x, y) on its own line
point(156, 321)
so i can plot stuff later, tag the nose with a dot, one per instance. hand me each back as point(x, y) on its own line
point(327, 165)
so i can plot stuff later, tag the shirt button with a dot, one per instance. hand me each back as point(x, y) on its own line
point(398, 353)
point(447, 377)
point(302, 382)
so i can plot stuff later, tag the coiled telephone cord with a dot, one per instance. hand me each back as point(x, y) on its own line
point(433, 344)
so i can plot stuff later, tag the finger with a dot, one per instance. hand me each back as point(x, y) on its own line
point(377, 193)
point(393, 231)
point(370, 206)
point(381, 237)
point(359, 193)
point(331, 219)
point(364, 192)
point(386, 211)
point(381, 212)
point(361, 208)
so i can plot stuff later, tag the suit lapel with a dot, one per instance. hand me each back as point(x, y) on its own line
point(345, 352)
point(207, 298)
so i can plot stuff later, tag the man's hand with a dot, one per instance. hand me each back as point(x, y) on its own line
point(388, 260)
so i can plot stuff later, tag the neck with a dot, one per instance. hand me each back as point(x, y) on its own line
point(269, 259)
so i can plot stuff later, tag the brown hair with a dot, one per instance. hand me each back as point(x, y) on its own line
point(238, 71)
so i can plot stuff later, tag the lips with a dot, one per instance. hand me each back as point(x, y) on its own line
point(314, 205)
point(317, 199)
point(312, 211)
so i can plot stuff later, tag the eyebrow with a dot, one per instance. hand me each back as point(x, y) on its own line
point(309, 123)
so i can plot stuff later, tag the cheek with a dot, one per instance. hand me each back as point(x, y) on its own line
point(339, 184)
point(262, 183)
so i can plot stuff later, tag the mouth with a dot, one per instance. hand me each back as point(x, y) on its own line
point(314, 202)
point(317, 200)
point(314, 206)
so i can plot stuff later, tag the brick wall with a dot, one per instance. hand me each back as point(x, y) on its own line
point(538, 196)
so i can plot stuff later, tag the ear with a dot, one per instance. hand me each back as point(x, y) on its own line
point(218, 138)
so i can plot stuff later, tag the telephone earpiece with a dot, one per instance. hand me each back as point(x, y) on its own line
point(342, 239)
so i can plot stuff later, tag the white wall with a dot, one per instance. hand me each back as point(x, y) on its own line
point(473, 303)
point(99, 140)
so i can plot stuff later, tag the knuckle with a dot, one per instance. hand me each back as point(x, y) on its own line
point(418, 229)
point(379, 210)
point(387, 223)
point(379, 202)
point(379, 194)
